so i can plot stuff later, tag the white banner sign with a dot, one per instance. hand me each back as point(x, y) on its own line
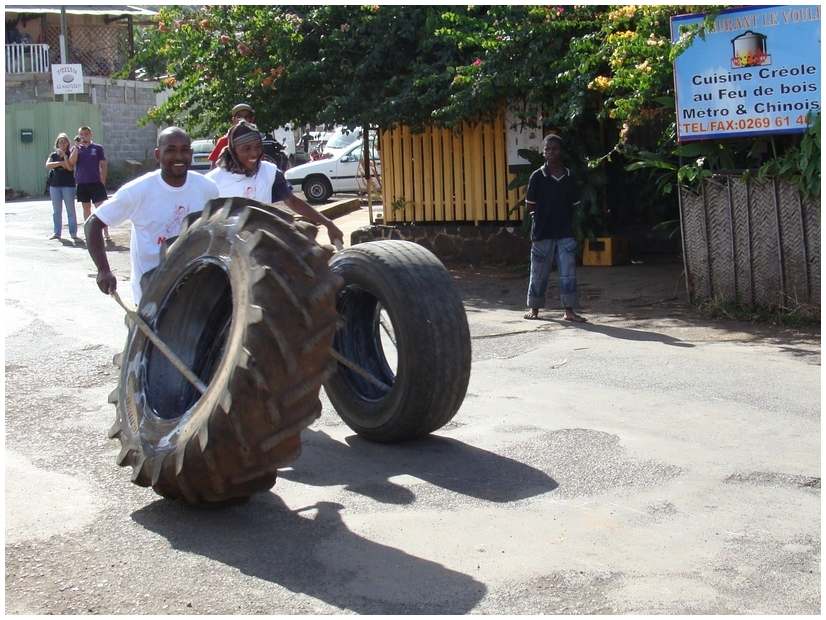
point(67, 79)
point(521, 136)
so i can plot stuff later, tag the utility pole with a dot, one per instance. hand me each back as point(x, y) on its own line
point(64, 57)
point(365, 136)
point(131, 26)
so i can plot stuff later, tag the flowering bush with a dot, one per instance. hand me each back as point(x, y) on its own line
point(411, 65)
point(601, 75)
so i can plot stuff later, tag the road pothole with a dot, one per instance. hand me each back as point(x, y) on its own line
point(775, 479)
point(587, 462)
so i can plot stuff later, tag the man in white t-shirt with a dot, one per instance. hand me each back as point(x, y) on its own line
point(156, 204)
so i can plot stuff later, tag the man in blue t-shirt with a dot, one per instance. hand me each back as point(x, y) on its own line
point(91, 168)
point(552, 198)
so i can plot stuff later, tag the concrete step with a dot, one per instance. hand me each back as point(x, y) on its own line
point(340, 207)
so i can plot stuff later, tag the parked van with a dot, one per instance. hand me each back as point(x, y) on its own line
point(321, 179)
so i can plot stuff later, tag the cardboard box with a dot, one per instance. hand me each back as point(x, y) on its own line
point(605, 252)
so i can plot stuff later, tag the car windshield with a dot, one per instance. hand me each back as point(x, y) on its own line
point(342, 139)
point(358, 151)
point(202, 146)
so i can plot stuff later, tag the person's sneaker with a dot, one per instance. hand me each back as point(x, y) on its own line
point(77, 240)
point(54, 237)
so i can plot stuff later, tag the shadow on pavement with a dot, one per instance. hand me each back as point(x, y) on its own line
point(314, 555)
point(114, 247)
point(648, 293)
point(365, 468)
point(810, 355)
point(625, 333)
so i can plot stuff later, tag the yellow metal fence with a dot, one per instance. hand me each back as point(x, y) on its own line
point(447, 175)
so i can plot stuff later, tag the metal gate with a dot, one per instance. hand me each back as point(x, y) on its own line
point(750, 241)
point(26, 161)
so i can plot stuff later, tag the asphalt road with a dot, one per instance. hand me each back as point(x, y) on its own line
point(649, 462)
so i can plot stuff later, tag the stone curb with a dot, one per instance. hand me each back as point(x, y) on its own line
point(340, 208)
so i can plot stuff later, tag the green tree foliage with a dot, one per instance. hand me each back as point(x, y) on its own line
point(407, 64)
point(601, 75)
point(800, 163)
point(325, 64)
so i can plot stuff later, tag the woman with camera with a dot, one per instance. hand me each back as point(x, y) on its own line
point(62, 187)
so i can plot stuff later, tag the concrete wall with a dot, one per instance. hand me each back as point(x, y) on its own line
point(464, 243)
point(121, 104)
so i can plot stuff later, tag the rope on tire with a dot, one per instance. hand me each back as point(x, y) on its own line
point(162, 347)
point(194, 380)
point(358, 370)
point(351, 365)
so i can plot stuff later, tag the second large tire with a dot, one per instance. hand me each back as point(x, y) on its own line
point(406, 283)
point(246, 299)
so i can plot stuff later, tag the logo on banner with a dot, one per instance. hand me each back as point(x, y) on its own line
point(749, 50)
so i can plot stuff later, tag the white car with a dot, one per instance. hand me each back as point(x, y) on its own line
point(200, 155)
point(322, 178)
point(340, 140)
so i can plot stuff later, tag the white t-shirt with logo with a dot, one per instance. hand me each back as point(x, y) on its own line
point(257, 187)
point(157, 211)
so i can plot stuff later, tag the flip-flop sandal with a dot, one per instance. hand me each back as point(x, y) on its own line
point(575, 319)
point(530, 317)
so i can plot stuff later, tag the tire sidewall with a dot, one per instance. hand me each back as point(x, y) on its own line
point(367, 415)
point(157, 435)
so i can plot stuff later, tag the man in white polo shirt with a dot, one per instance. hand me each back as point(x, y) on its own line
point(156, 204)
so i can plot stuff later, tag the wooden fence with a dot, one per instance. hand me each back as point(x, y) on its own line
point(447, 175)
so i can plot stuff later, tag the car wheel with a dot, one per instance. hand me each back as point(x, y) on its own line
point(317, 189)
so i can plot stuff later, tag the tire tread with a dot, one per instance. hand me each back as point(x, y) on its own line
point(219, 454)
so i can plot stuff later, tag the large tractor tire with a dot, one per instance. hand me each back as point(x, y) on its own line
point(399, 308)
point(246, 299)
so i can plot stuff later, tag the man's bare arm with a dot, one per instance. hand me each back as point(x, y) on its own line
point(106, 280)
point(303, 209)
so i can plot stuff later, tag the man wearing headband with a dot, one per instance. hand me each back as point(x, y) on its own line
point(552, 198)
point(242, 171)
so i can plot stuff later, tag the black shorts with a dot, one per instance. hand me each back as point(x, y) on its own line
point(91, 192)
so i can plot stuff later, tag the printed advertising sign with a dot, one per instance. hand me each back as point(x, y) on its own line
point(67, 79)
point(521, 136)
point(757, 72)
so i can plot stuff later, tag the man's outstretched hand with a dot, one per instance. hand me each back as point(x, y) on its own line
point(335, 234)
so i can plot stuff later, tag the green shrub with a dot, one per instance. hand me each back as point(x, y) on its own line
point(123, 171)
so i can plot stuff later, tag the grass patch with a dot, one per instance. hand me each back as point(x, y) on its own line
point(790, 314)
